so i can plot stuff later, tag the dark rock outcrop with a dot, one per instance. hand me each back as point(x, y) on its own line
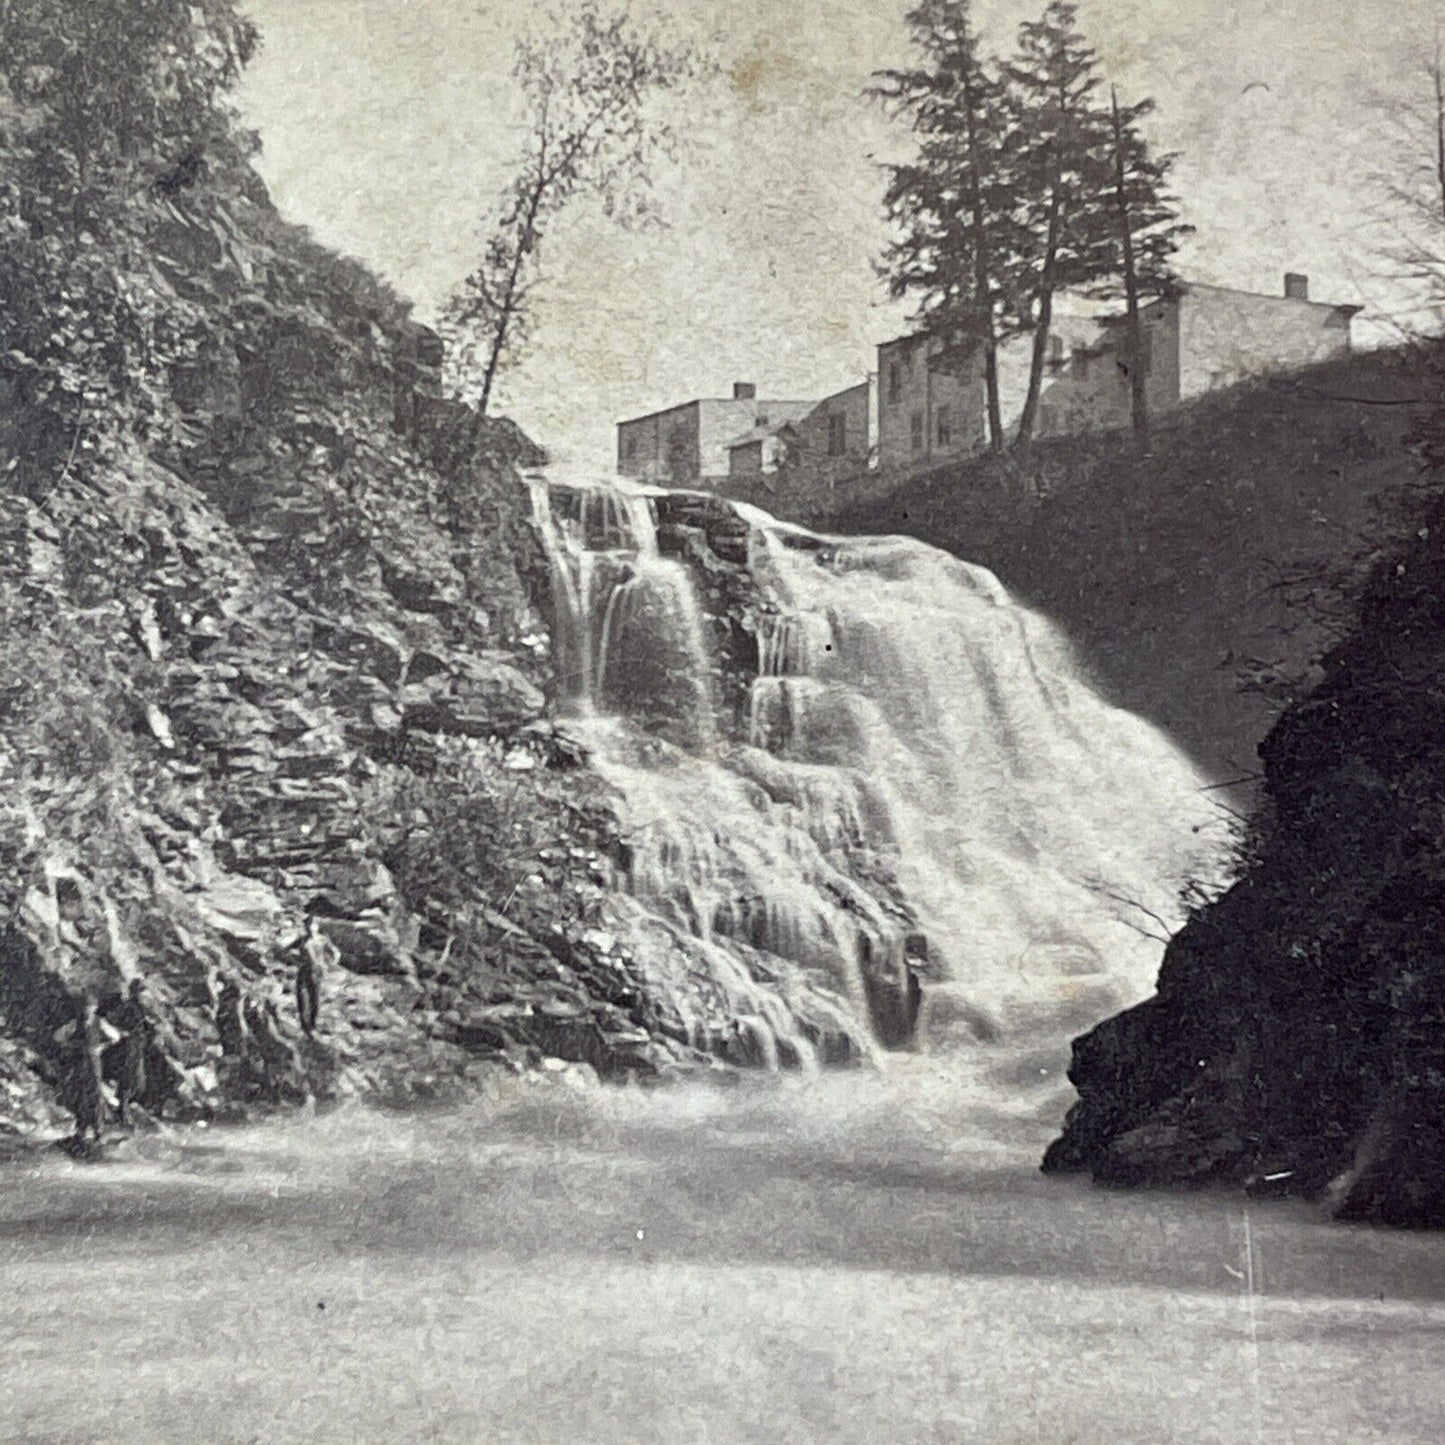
point(1296, 1043)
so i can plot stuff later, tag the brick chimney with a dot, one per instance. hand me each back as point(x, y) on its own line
point(744, 391)
point(1296, 286)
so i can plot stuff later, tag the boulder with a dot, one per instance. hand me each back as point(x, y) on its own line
point(352, 886)
point(369, 946)
point(480, 699)
point(368, 646)
point(418, 587)
point(1163, 1152)
point(497, 687)
point(237, 907)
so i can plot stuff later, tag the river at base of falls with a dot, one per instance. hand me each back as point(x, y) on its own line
point(920, 771)
point(843, 1259)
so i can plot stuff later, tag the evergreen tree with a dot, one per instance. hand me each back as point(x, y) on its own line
point(1062, 162)
point(954, 206)
point(1147, 233)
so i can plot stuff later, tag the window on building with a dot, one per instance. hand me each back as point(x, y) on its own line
point(629, 448)
point(916, 431)
point(837, 434)
point(895, 381)
point(1056, 349)
point(943, 423)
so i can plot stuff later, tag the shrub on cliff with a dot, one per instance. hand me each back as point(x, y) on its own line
point(486, 828)
point(113, 114)
point(467, 837)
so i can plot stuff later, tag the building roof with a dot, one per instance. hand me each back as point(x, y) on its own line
point(1111, 324)
point(1110, 320)
point(761, 434)
point(842, 392)
point(762, 404)
point(936, 358)
point(907, 338)
point(1270, 296)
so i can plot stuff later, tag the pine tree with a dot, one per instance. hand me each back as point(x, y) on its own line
point(1061, 164)
point(1147, 233)
point(953, 207)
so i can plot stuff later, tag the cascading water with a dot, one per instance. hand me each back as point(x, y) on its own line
point(627, 618)
point(920, 778)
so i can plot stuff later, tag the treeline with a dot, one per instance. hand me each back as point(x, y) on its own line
point(1031, 178)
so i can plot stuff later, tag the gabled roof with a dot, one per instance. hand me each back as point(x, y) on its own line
point(762, 433)
point(936, 356)
point(845, 391)
point(762, 405)
point(1349, 310)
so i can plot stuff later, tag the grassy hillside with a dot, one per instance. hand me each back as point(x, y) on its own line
point(1199, 582)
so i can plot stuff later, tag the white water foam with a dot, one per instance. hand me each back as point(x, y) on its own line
point(908, 723)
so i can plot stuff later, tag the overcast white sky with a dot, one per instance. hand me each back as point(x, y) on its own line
point(387, 125)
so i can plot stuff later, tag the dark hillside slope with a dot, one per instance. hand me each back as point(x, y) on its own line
point(1201, 581)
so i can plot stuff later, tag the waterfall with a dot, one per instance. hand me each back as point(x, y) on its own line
point(627, 621)
point(918, 781)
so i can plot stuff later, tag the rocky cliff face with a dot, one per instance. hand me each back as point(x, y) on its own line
point(276, 685)
point(1297, 1040)
point(287, 666)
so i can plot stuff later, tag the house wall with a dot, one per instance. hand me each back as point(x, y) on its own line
point(661, 447)
point(1205, 339)
point(1091, 391)
point(926, 393)
point(689, 443)
point(1164, 331)
point(721, 422)
point(1067, 334)
point(746, 460)
point(1229, 336)
point(815, 429)
point(812, 459)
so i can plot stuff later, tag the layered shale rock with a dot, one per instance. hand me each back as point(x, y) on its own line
point(291, 670)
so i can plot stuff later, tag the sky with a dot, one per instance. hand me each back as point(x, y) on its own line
point(389, 125)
